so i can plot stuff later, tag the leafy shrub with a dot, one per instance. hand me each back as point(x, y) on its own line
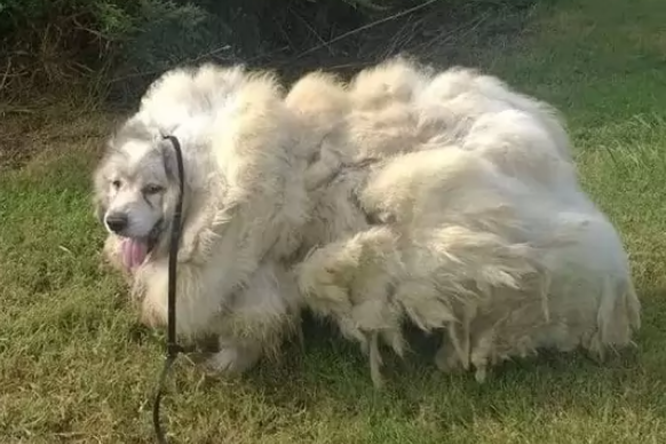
point(49, 42)
point(115, 47)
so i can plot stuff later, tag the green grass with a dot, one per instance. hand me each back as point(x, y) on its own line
point(74, 366)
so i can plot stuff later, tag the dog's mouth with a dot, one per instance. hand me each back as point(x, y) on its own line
point(136, 251)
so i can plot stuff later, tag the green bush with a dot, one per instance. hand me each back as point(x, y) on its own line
point(100, 42)
point(115, 47)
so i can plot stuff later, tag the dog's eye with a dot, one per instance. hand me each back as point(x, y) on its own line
point(153, 189)
point(116, 184)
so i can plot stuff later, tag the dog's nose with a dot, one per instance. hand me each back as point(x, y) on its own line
point(116, 222)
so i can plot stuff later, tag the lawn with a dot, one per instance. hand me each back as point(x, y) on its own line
point(75, 367)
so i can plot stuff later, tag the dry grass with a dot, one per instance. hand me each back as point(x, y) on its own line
point(76, 368)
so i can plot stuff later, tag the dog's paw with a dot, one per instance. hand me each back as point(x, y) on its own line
point(233, 360)
point(447, 360)
point(481, 374)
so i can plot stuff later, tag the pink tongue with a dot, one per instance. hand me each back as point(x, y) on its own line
point(134, 252)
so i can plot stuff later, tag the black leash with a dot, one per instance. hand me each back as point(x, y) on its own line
point(172, 347)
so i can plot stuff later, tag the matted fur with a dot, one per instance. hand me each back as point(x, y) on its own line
point(447, 200)
point(454, 205)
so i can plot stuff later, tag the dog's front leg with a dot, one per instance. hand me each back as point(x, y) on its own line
point(261, 314)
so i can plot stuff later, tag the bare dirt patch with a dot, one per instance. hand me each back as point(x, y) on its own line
point(26, 133)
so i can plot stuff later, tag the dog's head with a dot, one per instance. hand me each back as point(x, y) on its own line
point(136, 188)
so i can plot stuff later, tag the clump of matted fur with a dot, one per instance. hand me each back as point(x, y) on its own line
point(454, 205)
point(442, 199)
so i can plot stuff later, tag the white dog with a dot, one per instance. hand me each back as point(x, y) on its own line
point(445, 200)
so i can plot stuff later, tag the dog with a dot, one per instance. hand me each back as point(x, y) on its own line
point(443, 199)
point(241, 208)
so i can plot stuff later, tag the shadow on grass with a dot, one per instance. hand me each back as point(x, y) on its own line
point(333, 371)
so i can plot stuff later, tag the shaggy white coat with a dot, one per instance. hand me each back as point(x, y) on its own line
point(444, 199)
